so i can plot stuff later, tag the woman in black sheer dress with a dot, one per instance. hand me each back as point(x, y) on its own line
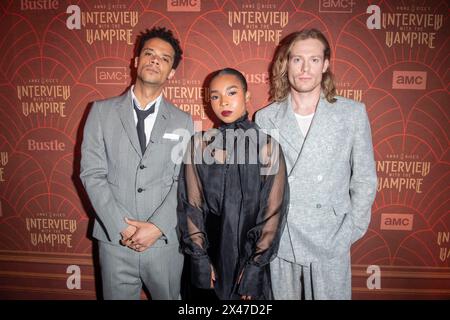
point(232, 198)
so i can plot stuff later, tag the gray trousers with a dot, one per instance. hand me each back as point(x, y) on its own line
point(329, 280)
point(124, 271)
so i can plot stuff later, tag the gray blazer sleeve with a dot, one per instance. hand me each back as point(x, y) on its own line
point(263, 124)
point(363, 181)
point(93, 174)
point(259, 121)
point(160, 217)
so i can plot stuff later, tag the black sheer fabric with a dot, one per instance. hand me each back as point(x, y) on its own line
point(232, 206)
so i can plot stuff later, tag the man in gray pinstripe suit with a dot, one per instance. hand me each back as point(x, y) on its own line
point(130, 156)
point(327, 144)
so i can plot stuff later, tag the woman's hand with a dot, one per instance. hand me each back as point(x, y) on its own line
point(213, 277)
point(239, 281)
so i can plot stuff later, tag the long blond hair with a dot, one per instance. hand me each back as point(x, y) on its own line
point(279, 82)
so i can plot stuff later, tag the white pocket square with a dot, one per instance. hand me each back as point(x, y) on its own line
point(171, 136)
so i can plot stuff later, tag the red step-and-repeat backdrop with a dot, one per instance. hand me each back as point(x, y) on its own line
point(57, 56)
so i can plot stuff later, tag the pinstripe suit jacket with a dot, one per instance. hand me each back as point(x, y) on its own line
point(332, 177)
point(120, 180)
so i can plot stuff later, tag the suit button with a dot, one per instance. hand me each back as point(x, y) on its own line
point(140, 190)
point(319, 177)
point(318, 206)
point(142, 167)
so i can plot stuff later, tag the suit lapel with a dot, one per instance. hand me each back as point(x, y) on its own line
point(126, 116)
point(322, 129)
point(289, 130)
point(159, 128)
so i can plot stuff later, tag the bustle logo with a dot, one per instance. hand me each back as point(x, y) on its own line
point(396, 221)
point(184, 5)
point(51, 145)
point(257, 78)
point(416, 80)
point(111, 75)
point(336, 6)
point(39, 4)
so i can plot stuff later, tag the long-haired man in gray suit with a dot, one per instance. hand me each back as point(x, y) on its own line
point(130, 159)
point(327, 144)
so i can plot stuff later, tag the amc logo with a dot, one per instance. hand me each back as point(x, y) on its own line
point(396, 221)
point(336, 6)
point(183, 5)
point(111, 75)
point(416, 80)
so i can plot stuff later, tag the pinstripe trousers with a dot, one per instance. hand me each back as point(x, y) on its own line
point(124, 271)
point(329, 280)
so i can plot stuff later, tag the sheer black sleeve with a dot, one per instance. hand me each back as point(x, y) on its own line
point(265, 236)
point(191, 217)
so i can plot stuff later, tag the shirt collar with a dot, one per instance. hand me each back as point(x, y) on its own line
point(135, 100)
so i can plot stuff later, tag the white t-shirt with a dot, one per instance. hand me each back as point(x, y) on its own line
point(304, 122)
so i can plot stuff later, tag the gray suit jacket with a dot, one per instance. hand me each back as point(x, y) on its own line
point(119, 180)
point(331, 175)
